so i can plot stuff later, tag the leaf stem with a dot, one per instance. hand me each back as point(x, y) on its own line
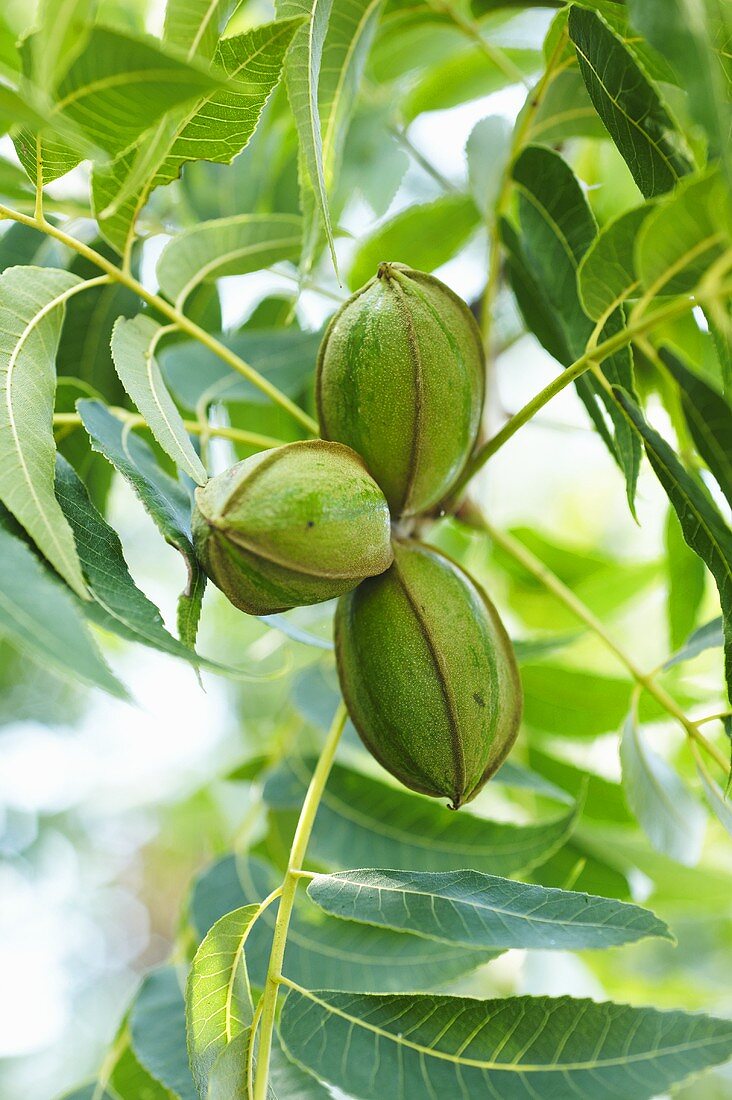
point(645, 680)
point(289, 888)
point(179, 319)
point(590, 358)
point(133, 420)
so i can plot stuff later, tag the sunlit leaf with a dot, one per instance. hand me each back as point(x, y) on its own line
point(709, 418)
point(515, 1048)
point(468, 75)
point(487, 151)
point(31, 314)
point(63, 27)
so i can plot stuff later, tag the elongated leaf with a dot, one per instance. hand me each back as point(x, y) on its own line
point(557, 229)
point(194, 25)
point(166, 500)
point(302, 74)
point(671, 817)
point(40, 616)
point(228, 1077)
point(218, 997)
point(134, 346)
point(118, 86)
point(466, 75)
point(478, 910)
point(361, 820)
point(717, 799)
point(216, 127)
point(606, 274)
point(518, 1048)
point(684, 235)
point(158, 1031)
point(487, 151)
point(31, 315)
point(118, 604)
point(709, 636)
point(63, 27)
point(704, 529)
point(686, 33)
point(709, 418)
point(429, 234)
point(687, 578)
point(226, 246)
point(129, 1080)
point(628, 104)
point(322, 949)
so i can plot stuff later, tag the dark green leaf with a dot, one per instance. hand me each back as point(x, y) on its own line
point(628, 104)
point(686, 583)
point(158, 1031)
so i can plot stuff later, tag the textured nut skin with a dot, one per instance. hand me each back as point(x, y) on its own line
point(295, 525)
point(428, 674)
point(401, 375)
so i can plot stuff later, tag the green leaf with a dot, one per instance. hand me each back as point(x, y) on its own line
point(428, 235)
point(487, 152)
point(215, 128)
point(63, 28)
point(704, 529)
point(628, 104)
point(286, 357)
point(716, 798)
point(709, 418)
point(709, 636)
point(118, 86)
point(289, 1082)
point(31, 315)
point(166, 500)
point(565, 111)
point(158, 1031)
point(129, 1080)
point(467, 75)
point(218, 997)
point(517, 1048)
point(226, 246)
point(686, 583)
point(194, 25)
point(671, 817)
point(303, 69)
point(361, 820)
point(684, 235)
point(606, 275)
point(320, 948)
point(228, 1077)
point(556, 230)
point(39, 615)
point(134, 345)
point(685, 32)
point(118, 604)
point(476, 910)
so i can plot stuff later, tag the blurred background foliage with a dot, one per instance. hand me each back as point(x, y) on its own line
point(109, 810)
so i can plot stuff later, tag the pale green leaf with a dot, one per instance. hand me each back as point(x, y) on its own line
point(426, 235)
point(671, 817)
point(708, 636)
point(709, 417)
point(166, 500)
point(687, 577)
point(44, 159)
point(31, 314)
point(194, 25)
point(487, 152)
point(477, 910)
point(228, 1076)
point(63, 26)
point(628, 104)
point(717, 799)
point(157, 1025)
point(606, 275)
point(226, 246)
point(321, 949)
point(218, 997)
point(40, 616)
point(302, 75)
point(215, 127)
point(361, 820)
point(518, 1048)
point(134, 344)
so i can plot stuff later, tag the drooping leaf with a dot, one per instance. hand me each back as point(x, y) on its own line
point(487, 151)
point(517, 1048)
point(134, 344)
point(117, 604)
point(556, 230)
point(428, 235)
point(716, 798)
point(166, 500)
point(218, 997)
point(323, 949)
point(215, 128)
point(157, 1025)
point(709, 418)
point(195, 25)
point(478, 910)
point(226, 246)
point(709, 636)
point(466, 75)
point(361, 820)
point(606, 274)
point(704, 529)
point(31, 315)
point(229, 1077)
point(40, 616)
point(628, 104)
point(671, 817)
point(686, 583)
